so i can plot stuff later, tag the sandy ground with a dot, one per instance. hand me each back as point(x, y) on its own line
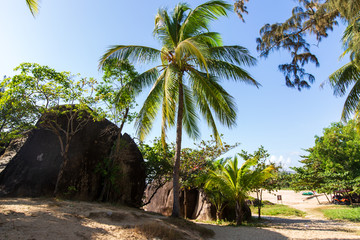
point(313, 226)
point(37, 219)
point(48, 219)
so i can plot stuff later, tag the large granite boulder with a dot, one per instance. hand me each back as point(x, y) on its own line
point(33, 168)
point(196, 202)
point(197, 206)
point(162, 201)
point(126, 174)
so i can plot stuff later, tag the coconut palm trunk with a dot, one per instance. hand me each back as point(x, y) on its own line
point(176, 171)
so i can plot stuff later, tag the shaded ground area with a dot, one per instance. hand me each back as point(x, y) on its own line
point(37, 219)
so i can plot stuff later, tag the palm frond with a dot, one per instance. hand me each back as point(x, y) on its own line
point(33, 6)
point(164, 28)
point(198, 19)
point(211, 93)
point(352, 102)
point(189, 47)
point(132, 53)
point(343, 78)
point(210, 39)
point(190, 117)
point(148, 112)
point(141, 81)
point(170, 93)
point(207, 114)
point(233, 54)
point(225, 70)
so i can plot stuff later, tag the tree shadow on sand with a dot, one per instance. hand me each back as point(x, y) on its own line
point(305, 224)
point(242, 232)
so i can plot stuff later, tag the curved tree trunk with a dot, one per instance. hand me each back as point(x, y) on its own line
point(65, 155)
point(176, 170)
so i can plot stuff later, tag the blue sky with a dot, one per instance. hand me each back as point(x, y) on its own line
point(72, 36)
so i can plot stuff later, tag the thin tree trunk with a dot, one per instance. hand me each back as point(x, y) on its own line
point(65, 156)
point(260, 203)
point(317, 198)
point(327, 197)
point(124, 120)
point(107, 184)
point(185, 204)
point(61, 171)
point(176, 170)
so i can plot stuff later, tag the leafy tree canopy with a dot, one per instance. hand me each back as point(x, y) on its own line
point(113, 91)
point(37, 90)
point(333, 163)
point(309, 17)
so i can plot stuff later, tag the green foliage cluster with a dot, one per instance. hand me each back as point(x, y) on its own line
point(195, 162)
point(158, 161)
point(39, 90)
point(232, 183)
point(333, 163)
point(114, 92)
point(272, 183)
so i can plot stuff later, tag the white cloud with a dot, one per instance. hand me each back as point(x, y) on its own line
point(280, 160)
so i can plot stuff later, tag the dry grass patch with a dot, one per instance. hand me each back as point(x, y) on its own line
point(158, 230)
point(191, 226)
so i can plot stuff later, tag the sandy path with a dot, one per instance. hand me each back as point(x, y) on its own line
point(313, 226)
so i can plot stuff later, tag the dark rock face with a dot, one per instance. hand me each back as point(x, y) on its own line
point(162, 201)
point(32, 171)
point(81, 178)
point(11, 151)
point(33, 168)
point(197, 205)
point(128, 172)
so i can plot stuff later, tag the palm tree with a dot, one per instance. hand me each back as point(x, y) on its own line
point(348, 76)
point(33, 6)
point(187, 80)
point(235, 183)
